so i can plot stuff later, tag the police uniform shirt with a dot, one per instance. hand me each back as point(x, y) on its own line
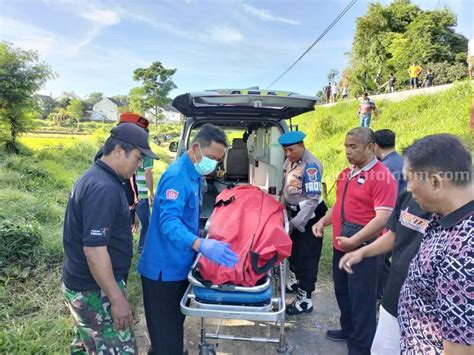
point(97, 215)
point(174, 224)
point(302, 187)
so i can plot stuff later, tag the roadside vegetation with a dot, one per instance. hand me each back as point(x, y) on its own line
point(444, 112)
point(35, 184)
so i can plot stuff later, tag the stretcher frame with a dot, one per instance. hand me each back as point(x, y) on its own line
point(274, 312)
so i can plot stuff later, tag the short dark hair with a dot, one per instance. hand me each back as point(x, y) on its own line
point(385, 138)
point(210, 133)
point(111, 142)
point(442, 154)
point(365, 134)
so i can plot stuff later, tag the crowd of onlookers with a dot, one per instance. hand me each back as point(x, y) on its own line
point(334, 91)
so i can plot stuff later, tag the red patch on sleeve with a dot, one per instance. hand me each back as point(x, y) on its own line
point(171, 194)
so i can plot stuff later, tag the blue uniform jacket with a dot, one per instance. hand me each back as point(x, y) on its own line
point(174, 224)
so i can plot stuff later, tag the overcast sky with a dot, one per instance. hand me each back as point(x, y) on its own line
point(96, 45)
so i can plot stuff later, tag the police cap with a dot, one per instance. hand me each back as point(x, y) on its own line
point(291, 138)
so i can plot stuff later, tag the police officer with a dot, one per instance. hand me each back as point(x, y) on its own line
point(173, 240)
point(302, 175)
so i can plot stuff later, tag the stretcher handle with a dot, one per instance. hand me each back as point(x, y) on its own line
point(267, 266)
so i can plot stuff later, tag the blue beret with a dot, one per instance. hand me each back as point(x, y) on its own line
point(291, 138)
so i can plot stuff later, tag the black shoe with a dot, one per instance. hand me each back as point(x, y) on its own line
point(301, 304)
point(336, 335)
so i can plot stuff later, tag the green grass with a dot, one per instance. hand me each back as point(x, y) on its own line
point(34, 186)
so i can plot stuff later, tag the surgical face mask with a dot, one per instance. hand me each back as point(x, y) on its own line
point(206, 165)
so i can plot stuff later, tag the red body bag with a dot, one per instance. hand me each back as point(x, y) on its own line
point(252, 222)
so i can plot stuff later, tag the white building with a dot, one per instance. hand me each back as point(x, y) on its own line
point(106, 109)
point(170, 114)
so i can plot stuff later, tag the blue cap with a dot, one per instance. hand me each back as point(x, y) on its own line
point(291, 138)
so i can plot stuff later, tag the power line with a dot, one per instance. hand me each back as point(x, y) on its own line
point(328, 28)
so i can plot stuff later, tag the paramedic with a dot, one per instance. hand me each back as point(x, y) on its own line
point(302, 174)
point(366, 193)
point(173, 240)
point(98, 246)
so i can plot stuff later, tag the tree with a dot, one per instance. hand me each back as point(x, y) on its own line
point(22, 74)
point(445, 72)
point(156, 85)
point(389, 38)
point(46, 104)
point(320, 96)
point(66, 97)
point(332, 74)
point(93, 98)
point(60, 116)
point(122, 98)
point(75, 109)
point(137, 100)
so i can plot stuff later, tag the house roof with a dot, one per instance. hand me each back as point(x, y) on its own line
point(169, 108)
point(43, 97)
point(118, 103)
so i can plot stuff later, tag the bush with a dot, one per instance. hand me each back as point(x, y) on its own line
point(446, 72)
point(20, 244)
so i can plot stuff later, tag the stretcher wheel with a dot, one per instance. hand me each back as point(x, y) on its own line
point(286, 349)
point(207, 349)
point(207, 352)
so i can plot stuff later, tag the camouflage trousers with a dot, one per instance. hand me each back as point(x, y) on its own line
point(93, 324)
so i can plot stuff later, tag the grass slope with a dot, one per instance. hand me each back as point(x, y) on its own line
point(34, 187)
point(418, 116)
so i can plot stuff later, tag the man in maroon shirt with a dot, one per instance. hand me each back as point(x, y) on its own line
point(365, 196)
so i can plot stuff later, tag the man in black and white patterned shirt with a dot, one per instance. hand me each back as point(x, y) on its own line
point(436, 305)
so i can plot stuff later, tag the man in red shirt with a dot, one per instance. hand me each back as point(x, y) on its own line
point(365, 196)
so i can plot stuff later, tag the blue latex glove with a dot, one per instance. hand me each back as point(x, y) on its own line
point(218, 252)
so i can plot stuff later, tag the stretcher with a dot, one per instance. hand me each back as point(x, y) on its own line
point(263, 303)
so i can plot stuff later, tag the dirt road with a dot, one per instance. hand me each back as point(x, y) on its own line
point(305, 333)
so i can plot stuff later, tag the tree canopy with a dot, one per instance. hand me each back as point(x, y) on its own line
point(153, 93)
point(93, 98)
point(75, 109)
point(21, 75)
point(389, 38)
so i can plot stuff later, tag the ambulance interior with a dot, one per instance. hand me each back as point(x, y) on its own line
point(254, 156)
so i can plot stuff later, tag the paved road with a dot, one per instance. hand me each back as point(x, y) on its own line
point(402, 95)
